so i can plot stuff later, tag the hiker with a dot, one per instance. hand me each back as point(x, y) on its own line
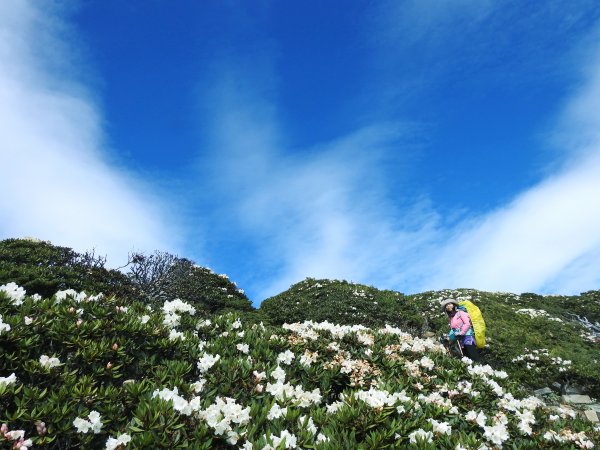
point(461, 329)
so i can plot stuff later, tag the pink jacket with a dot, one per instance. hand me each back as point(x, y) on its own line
point(460, 322)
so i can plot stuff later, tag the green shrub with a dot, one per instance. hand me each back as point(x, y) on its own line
point(343, 303)
point(42, 268)
point(173, 378)
point(162, 276)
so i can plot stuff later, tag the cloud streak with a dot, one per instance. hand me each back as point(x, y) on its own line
point(547, 238)
point(322, 211)
point(57, 179)
point(327, 211)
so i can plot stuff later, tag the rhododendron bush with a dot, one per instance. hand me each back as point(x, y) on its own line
point(83, 371)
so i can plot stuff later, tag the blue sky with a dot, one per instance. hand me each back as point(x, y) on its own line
point(410, 145)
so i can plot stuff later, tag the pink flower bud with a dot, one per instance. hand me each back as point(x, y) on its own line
point(79, 322)
point(71, 309)
point(40, 427)
point(109, 365)
point(115, 347)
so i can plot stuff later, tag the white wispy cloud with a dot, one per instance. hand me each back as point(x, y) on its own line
point(58, 180)
point(327, 211)
point(323, 211)
point(547, 238)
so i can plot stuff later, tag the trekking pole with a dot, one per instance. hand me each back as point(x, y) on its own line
point(462, 354)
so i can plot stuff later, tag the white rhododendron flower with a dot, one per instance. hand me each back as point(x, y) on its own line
point(198, 386)
point(420, 435)
point(6, 381)
point(176, 306)
point(290, 440)
point(496, 434)
point(3, 326)
point(145, 318)
point(244, 348)
point(286, 357)
point(92, 423)
point(172, 320)
point(427, 363)
point(49, 362)
point(440, 427)
point(322, 438)
point(207, 361)
point(180, 404)
point(121, 440)
point(333, 407)
point(307, 422)
point(276, 412)
point(62, 295)
point(176, 335)
point(378, 398)
point(14, 292)
point(222, 414)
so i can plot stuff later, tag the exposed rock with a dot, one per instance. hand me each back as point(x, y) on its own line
point(576, 398)
point(595, 407)
point(557, 386)
point(574, 390)
point(591, 415)
point(543, 391)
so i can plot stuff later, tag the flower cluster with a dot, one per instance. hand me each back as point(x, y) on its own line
point(180, 404)
point(6, 381)
point(377, 398)
point(48, 362)
point(533, 313)
point(178, 305)
point(3, 326)
point(92, 423)
point(14, 292)
point(77, 296)
point(566, 435)
point(223, 414)
point(538, 359)
point(172, 319)
point(283, 391)
point(207, 361)
point(17, 436)
point(115, 443)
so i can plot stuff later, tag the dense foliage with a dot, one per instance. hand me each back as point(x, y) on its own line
point(519, 327)
point(42, 268)
point(162, 276)
point(83, 371)
point(343, 303)
point(174, 356)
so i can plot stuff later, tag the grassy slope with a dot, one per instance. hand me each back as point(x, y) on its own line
point(509, 333)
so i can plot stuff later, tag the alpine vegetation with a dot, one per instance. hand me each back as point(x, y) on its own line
point(90, 372)
point(326, 365)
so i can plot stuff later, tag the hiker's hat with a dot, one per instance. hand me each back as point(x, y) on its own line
point(447, 302)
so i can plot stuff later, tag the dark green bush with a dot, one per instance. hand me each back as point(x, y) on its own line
point(42, 268)
point(343, 303)
point(162, 276)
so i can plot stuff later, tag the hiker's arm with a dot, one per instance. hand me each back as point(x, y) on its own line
point(452, 336)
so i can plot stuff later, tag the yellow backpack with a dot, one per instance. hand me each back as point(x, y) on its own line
point(477, 322)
